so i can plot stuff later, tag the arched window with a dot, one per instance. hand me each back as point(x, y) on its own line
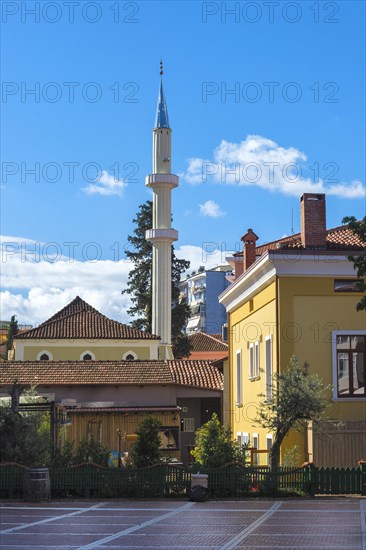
point(129, 356)
point(44, 355)
point(87, 356)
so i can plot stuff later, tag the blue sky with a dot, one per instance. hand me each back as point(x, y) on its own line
point(271, 91)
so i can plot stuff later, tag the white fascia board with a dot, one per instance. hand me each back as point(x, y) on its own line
point(272, 264)
point(313, 264)
point(260, 274)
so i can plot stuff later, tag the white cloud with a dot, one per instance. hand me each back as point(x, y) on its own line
point(4, 239)
point(36, 285)
point(262, 162)
point(106, 185)
point(353, 190)
point(211, 209)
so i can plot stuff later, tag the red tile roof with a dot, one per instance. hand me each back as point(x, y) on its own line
point(123, 409)
point(217, 336)
point(200, 374)
point(338, 238)
point(201, 341)
point(85, 372)
point(80, 320)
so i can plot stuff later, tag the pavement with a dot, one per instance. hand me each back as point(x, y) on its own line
point(291, 524)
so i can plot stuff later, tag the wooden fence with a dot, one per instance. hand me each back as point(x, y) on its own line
point(339, 444)
point(231, 480)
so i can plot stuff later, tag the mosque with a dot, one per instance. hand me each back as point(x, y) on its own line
point(104, 376)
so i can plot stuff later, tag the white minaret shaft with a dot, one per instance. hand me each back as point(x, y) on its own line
point(161, 181)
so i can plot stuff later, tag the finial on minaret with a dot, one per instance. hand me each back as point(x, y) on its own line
point(161, 119)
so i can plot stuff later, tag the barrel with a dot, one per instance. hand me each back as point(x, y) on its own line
point(37, 484)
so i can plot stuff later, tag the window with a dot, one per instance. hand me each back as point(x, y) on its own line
point(255, 446)
point(129, 356)
point(254, 360)
point(87, 356)
point(44, 355)
point(243, 438)
point(350, 366)
point(239, 380)
point(268, 368)
point(269, 443)
point(169, 438)
point(95, 430)
point(347, 285)
point(187, 425)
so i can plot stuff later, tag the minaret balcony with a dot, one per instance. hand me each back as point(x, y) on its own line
point(160, 235)
point(162, 180)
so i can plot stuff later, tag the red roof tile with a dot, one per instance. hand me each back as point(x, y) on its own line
point(200, 374)
point(338, 238)
point(85, 372)
point(202, 341)
point(123, 409)
point(80, 320)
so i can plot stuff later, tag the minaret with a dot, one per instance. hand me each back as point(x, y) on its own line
point(161, 181)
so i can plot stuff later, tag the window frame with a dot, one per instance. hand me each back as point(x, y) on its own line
point(269, 437)
point(190, 422)
point(268, 359)
point(125, 355)
point(44, 352)
point(349, 397)
point(255, 435)
point(254, 360)
point(239, 379)
point(87, 352)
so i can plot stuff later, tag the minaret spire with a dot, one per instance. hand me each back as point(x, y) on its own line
point(161, 119)
point(161, 181)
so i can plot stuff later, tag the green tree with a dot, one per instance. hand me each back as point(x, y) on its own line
point(12, 331)
point(90, 450)
point(139, 283)
point(358, 228)
point(214, 446)
point(146, 450)
point(63, 457)
point(297, 396)
point(25, 436)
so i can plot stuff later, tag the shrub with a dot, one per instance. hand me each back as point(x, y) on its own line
point(214, 446)
point(146, 450)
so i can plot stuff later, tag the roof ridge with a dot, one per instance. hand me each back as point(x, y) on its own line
point(76, 301)
point(214, 338)
point(79, 310)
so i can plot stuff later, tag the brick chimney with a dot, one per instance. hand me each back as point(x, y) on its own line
point(313, 220)
point(249, 240)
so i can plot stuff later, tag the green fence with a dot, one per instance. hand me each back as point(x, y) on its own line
point(232, 480)
point(338, 481)
point(11, 480)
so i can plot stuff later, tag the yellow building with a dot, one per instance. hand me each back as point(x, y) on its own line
point(297, 296)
